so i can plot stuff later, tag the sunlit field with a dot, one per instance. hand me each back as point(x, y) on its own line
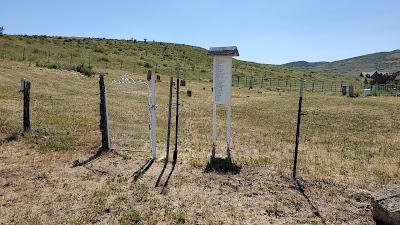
point(349, 142)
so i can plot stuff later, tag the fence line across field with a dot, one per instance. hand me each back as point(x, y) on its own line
point(290, 85)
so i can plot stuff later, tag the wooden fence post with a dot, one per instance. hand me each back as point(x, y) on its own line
point(27, 96)
point(105, 140)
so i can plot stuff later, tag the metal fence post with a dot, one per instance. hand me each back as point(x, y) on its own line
point(298, 128)
point(153, 116)
point(175, 156)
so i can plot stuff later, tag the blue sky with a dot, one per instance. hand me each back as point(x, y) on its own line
point(272, 32)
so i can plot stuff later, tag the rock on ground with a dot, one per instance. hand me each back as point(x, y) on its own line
point(386, 205)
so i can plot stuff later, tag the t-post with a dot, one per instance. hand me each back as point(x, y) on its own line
point(175, 156)
point(169, 118)
point(298, 129)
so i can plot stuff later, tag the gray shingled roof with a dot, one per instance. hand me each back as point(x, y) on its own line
point(223, 51)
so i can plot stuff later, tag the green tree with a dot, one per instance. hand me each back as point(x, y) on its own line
point(1, 30)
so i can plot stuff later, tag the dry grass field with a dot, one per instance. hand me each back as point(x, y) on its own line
point(348, 148)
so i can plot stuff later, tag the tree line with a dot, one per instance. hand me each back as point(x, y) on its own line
point(379, 78)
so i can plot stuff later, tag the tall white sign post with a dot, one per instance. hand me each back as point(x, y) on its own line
point(222, 89)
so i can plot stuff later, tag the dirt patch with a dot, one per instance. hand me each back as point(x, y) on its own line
point(45, 188)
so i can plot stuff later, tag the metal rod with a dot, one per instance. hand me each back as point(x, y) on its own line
point(298, 129)
point(153, 117)
point(169, 118)
point(175, 157)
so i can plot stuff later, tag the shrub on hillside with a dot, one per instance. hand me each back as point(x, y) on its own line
point(48, 65)
point(104, 59)
point(83, 69)
point(98, 49)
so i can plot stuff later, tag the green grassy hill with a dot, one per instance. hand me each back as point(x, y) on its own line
point(132, 56)
point(381, 61)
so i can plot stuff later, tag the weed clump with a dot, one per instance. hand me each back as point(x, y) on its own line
point(83, 69)
point(133, 217)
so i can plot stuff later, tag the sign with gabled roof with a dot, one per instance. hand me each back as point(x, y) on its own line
point(223, 51)
point(222, 88)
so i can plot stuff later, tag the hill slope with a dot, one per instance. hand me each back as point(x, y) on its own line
point(381, 61)
point(132, 56)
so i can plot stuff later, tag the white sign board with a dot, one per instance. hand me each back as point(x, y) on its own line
point(222, 80)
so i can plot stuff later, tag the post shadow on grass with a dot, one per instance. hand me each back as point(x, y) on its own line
point(139, 173)
point(99, 153)
point(300, 187)
point(162, 173)
point(221, 165)
point(160, 176)
point(169, 176)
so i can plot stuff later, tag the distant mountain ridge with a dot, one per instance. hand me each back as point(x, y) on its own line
point(381, 61)
point(304, 64)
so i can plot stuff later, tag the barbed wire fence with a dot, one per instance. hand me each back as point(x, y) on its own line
point(59, 128)
point(270, 83)
point(311, 85)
